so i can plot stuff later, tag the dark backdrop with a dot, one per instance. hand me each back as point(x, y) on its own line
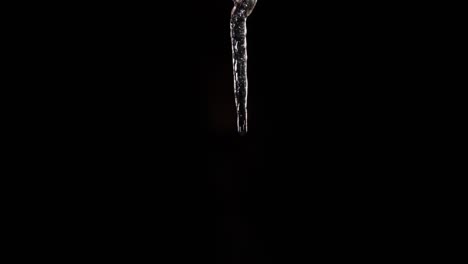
point(319, 77)
point(152, 137)
point(309, 177)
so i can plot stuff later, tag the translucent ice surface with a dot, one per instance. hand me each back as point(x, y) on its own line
point(242, 9)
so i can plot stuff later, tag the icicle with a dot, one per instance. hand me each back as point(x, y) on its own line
point(242, 9)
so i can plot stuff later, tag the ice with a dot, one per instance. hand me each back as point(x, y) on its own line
point(242, 9)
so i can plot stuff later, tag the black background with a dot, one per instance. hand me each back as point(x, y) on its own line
point(325, 91)
point(148, 139)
